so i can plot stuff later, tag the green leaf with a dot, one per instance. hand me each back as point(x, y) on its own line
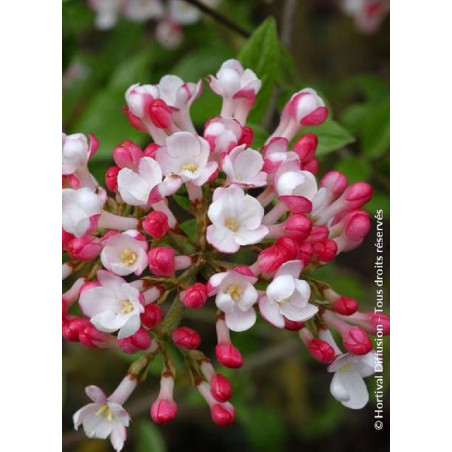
point(332, 136)
point(356, 168)
point(262, 54)
point(260, 135)
point(375, 133)
point(354, 117)
point(149, 438)
point(190, 228)
point(183, 201)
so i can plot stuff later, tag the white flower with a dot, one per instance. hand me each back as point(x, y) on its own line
point(75, 152)
point(290, 181)
point(348, 386)
point(112, 306)
point(186, 156)
point(223, 134)
point(79, 207)
point(287, 297)
point(142, 10)
point(243, 166)
point(236, 296)
point(103, 418)
point(107, 12)
point(233, 81)
point(176, 93)
point(124, 254)
point(135, 187)
point(236, 220)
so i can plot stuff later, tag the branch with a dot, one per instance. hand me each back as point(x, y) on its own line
point(219, 17)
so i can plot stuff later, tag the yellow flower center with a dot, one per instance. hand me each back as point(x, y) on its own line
point(232, 224)
point(235, 291)
point(126, 306)
point(345, 368)
point(192, 167)
point(128, 257)
point(105, 411)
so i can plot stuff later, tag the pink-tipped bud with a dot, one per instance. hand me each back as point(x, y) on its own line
point(228, 355)
point(84, 248)
point(307, 108)
point(222, 414)
point(111, 178)
point(151, 150)
point(305, 252)
point(134, 120)
point(321, 351)
point(89, 285)
point(162, 261)
point(220, 388)
point(160, 113)
point(335, 182)
point(380, 322)
point(151, 316)
point(156, 224)
point(127, 155)
point(357, 225)
point(306, 146)
point(291, 325)
point(91, 337)
point(298, 226)
point(356, 341)
point(73, 327)
point(186, 338)
point(67, 237)
point(345, 306)
point(318, 233)
point(312, 166)
point(163, 411)
point(358, 194)
point(247, 136)
point(195, 296)
point(325, 250)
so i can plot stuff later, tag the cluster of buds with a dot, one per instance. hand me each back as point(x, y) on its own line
point(171, 16)
point(260, 226)
point(368, 14)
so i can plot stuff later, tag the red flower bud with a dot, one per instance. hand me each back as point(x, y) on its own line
point(345, 306)
point(321, 351)
point(195, 296)
point(162, 261)
point(222, 415)
point(151, 316)
point(111, 178)
point(187, 338)
point(156, 224)
point(84, 248)
point(228, 355)
point(220, 388)
point(163, 411)
point(356, 341)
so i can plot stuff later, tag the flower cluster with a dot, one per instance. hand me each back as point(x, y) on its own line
point(171, 16)
point(368, 14)
point(260, 225)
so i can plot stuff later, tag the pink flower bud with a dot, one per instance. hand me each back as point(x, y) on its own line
point(291, 325)
point(111, 178)
point(195, 296)
point(222, 414)
point(151, 316)
point(312, 166)
point(298, 226)
point(67, 237)
point(305, 252)
point(73, 327)
point(318, 233)
point(335, 182)
point(160, 114)
point(345, 306)
point(380, 322)
point(306, 146)
point(228, 355)
point(321, 351)
point(134, 120)
point(91, 337)
point(185, 337)
point(127, 155)
point(244, 270)
point(307, 108)
point(357, 225)
point(156, 224)
point(296, 204)
point(356, 341)
point(89, 285)
point(358, 194)
point(150, 150)
point(247, 136)
point(84, 248)
point(163, 411)
point(325, 250)
point(162, 261)
point(220, 388)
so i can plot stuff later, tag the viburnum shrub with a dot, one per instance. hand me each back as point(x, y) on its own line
point(260, 225)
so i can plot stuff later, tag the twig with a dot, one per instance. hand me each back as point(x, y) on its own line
point(219, 17)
